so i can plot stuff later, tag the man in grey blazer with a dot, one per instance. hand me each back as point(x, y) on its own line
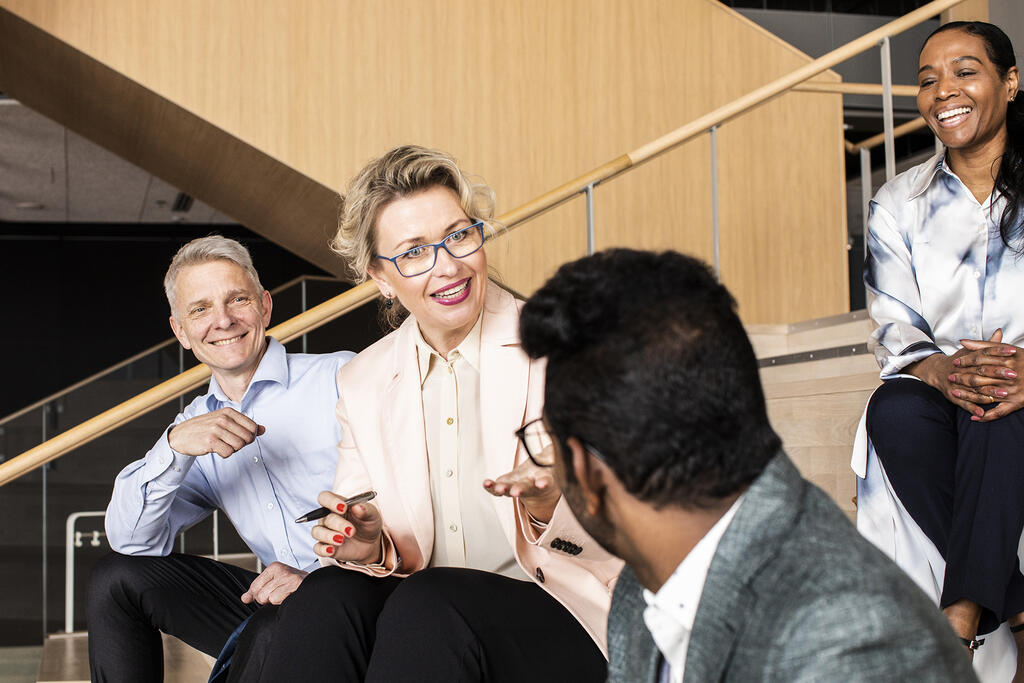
point(737, 568)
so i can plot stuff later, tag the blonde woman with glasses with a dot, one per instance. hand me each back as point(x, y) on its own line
point(468, 564)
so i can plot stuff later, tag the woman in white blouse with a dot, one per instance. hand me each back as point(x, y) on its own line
point(468, 564)
point(945, 273)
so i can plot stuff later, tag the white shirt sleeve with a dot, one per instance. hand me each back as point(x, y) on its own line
point(903, 335)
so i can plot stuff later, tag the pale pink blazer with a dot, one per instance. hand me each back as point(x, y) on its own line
point(383, 448)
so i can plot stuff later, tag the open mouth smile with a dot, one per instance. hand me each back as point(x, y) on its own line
point(225, 342)
point(453, 294)
point(953, 117)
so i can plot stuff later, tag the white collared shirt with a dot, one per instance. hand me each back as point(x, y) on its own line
point(467, 530)
point(937, 269)
point(671, 611)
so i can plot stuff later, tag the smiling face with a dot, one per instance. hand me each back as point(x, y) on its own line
point(962, 96)
point(222, 316)
point(446, 301)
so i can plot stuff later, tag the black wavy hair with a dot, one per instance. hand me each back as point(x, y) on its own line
point(648, 363)
point(1010, 176)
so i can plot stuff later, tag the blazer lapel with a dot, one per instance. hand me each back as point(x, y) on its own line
point(504, 383)
point(765, 516)
point(402, 424)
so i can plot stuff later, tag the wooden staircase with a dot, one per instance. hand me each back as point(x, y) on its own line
point(817, 378)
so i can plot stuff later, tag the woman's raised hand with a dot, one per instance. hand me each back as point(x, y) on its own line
point(990, 372)
point(533, 485)
point(351, 534)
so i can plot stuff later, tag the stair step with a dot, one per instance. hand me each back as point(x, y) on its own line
point(66, 659)
point(837, 330)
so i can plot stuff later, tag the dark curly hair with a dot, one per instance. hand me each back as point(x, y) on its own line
point(1009, 180)
point(649, 364)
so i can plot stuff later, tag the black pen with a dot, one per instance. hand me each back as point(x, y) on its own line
point(323, 512)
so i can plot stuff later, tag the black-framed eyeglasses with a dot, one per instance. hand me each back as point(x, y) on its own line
point(422, 258)
point(538, 443)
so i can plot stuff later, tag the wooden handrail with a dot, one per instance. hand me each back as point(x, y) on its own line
point(857, 89)
point(141, 354)
point(876, 140)
point(360, 294)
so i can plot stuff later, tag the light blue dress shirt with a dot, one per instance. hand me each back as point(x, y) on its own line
point(261, 488)
point(937, 269)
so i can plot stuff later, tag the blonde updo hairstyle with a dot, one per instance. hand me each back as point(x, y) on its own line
point(399, 173)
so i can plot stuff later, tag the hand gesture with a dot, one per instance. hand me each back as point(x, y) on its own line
point(989, 372)
point(534, 486)
point(274, 584)
point(350, 534)
point(223, 432)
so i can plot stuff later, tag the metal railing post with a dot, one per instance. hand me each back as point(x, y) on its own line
point(69, 567)
point(714, 202)
point(887, 116)
point(589, 192)
point(305, 344)
point(865, 191)
point(44, 567)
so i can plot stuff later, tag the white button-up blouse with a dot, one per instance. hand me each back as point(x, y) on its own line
point(937, 269)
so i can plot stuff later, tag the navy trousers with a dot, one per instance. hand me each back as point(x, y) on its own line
point(963, 483)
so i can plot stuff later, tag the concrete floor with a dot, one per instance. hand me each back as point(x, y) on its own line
point(19, 664)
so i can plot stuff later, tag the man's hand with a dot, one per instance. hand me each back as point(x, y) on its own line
point(274, 584)
point(223, 432)
point(534, 486)
point(350, 534)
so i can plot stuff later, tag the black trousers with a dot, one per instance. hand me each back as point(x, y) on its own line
point(440, 624)
point(963, 483)
point(132, 599)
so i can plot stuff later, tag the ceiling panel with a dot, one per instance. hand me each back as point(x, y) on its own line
point(67, 178)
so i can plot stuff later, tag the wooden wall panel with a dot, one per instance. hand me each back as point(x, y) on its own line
point(525, 93)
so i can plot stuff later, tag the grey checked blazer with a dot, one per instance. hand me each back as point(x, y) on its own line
point(794, 593)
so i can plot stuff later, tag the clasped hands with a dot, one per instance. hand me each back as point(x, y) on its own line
point(978, 375)
point(354, 534)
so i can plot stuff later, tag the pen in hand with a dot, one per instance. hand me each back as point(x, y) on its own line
point(320, 513)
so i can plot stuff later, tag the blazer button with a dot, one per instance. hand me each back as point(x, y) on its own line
point(540, 575)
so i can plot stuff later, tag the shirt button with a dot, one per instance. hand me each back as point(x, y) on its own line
point(450, 370)
point(270, 506)
point(255, 459)
point(977, 274)
point(540, 575)
point(448, 473)
point(450, 420)
point(453, 527)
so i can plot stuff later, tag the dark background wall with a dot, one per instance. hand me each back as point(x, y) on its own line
point(79, 298)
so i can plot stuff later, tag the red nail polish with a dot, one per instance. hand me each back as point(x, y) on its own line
point(338, 538)
point(348, 531)
point(342, 507)
point(329, 550)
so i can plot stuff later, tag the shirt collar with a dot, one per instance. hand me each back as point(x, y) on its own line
point(273, 367)
point(469, 349)
point(680, 595)
point(927, 174)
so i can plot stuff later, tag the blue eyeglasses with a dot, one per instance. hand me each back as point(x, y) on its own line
point(422, 258)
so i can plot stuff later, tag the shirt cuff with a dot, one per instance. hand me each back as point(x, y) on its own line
point(894, 365)
point(165, 465)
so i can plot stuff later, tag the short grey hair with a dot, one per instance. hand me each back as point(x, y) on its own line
point(205, 250)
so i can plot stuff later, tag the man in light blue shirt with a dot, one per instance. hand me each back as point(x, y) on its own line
point(259, 445)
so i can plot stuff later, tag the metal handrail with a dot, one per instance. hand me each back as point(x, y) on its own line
point(359, 295)
point(142, 354)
